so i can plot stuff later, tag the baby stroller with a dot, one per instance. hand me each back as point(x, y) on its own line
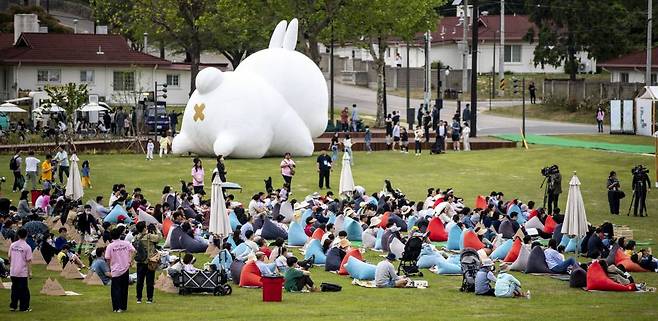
point(409, 259)
point(213, 281)
point(470, 264)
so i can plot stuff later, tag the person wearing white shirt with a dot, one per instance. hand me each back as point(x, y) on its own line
point(396, 136)
point(347, 144)
point(466, 132)
point(62, 159)
point(31, 171)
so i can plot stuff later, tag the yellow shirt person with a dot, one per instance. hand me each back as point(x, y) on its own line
point(47, 170)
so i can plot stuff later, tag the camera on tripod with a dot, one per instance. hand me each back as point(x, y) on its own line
point(550, 170)
point(639, 170)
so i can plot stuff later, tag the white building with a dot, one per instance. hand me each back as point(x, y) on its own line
point(631, 68)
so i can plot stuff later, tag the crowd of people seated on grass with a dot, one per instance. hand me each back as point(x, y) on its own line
point(329, 230)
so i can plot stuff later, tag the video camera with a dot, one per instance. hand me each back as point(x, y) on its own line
point(639, 170)
point(550, 170)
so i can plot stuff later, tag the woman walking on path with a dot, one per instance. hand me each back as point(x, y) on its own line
point(198, 175)
point(288, 169)
point(600, 116)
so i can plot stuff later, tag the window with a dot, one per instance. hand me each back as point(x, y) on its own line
point(87, 76)
point(623, 77)
point(172, 80)
point(124, 80)
point(512, 53)
point(48, 75)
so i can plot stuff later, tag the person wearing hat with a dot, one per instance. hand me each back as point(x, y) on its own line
point(308, 230)
point(385, 275)
point(484, 277)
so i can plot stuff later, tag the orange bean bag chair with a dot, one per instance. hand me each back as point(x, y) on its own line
point(437, 231)
point(625, 260)
point(549, 225)
point(317, 234)
point(481, 202)
point(597, 279)
point(513, 253)
point(471, 240)
point(250, 276)
point(353, 252)
point(384, 220)
point(166, 225)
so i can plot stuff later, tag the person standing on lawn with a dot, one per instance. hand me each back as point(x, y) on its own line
point(47, 172)
point(324, 169)
point(418, 138)
point(288, 168)
point(600, 116)
point(20, 260)
point(119, 255)
point(198, 175)
point(149, 238)
point(15, 167)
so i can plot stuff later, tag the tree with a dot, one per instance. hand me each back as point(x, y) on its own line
point(69, 97)
point(7, 19)
point(372, 24)
point(119, 15)
point(565, 27)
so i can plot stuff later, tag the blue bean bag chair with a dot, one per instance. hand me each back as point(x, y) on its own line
point(572, 246)
point(233, 219)
point(271, 231)
point(411, 221)
point(454, 238)
point(428, 261)
point(258, 222)
point(454, 259)
point(521, 219)
point(378, 241)
point(557, 234)
point(446, 267)
point(223, 260)
point(296, 235)
point(398, 221)
point(307, 213)
point(360, 270)
point(241, 251)
point(353, 229)
point(368, 240)
point(114, 214)
point(182, 241)
point(334, 258)
point(230, 240)
point(514, 208)
point(501, 251)
point(564, 241)
point(315, 248)
point(236, 270)
point(537, 261)
point(332, 218)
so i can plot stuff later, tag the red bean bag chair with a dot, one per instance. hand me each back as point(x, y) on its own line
point(250, 276)
point(481, 202)
point(317, 234)
point(166, 225)
point(471, 240)
point(384, 220)
point(353, 252)
point(625, 260)
point(549, 225)
point(514, 252)
point(437, 230)
point(533, 213)
point(597, 279)
point(438, 201)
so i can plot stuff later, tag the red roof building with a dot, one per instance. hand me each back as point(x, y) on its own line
point(631, 68)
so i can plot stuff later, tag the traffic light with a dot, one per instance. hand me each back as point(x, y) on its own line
point(515, 86)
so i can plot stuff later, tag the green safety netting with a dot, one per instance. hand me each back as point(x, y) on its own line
point(566, 142)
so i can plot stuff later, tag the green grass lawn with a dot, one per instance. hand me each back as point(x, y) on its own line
point(545, 112)
point(514, 171)
point(614, 139)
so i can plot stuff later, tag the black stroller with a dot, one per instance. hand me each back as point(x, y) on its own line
point(409, 259)
point(470, 264)
point(214, 281)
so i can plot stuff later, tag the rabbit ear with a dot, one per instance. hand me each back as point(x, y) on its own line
point(277, 36)
point(290, 40)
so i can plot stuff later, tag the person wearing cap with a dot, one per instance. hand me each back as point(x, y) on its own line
point(385, 275)
point(308, 229)
point(484, 277)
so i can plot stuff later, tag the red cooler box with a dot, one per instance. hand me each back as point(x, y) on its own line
point(272, 288)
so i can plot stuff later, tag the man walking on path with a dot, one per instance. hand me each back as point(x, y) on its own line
point(62, 159)
point(15, 167)
point(20, 260)
point(324, 169)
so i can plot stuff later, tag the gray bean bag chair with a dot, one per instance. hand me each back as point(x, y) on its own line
point(271, 231)
point(398, 221)
point(334, 258)
point(578, 278)
point(522, 260)
point(557, 233)
point(613, 255)
point(506, 229)
point(236, 270)
point(537, 261)
point(386, 240)
point(181, 241)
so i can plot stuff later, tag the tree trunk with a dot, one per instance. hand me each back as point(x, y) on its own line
point(313, 51)
point(571, 59)
point(195, 56)
point(380, 64)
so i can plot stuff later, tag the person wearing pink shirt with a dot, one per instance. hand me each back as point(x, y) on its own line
point(288, 169)
point(198, 175)
point(20, 258)
point(119, 255)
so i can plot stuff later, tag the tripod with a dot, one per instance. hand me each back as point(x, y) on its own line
point(545, 190)
point(642, 204)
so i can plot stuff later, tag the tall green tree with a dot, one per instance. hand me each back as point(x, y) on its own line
point(372, 24)
point(69, 97)
point(119, 16)
point(565, 27)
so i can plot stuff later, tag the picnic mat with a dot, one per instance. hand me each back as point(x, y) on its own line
point(561, 277)
point(364, 283)
point(638, 291)
point(413, 284)
point(567, 142)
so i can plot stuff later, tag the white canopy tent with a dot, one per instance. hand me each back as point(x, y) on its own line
point(92, 107)
point(11, 108)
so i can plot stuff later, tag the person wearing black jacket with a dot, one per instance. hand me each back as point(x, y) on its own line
point(614, 189)
point(324, 169)
point(220, 170)
point(595, 247)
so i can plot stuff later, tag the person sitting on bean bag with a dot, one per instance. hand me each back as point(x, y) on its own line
point(262, 266)
point(297, 279)
point(555, 260)
point(618, 274)
point(645, 259)
point(507, 286)
point(385, 275)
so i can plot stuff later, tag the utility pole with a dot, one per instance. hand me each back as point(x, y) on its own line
point(408, 78)
point(331, 76)
point(647, 77)
point(474, 71)
point(493, 71)
point(501, 57)
point(428, 71)
point(523, 95)
point(465, 49)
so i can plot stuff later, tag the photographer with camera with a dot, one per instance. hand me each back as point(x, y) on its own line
point(147, 258)
point(553, 186)
point(641, 185)
point(615, 194)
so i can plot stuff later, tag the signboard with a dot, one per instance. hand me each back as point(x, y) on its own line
point(627, 119)
point(643, 117)
point(615, 116)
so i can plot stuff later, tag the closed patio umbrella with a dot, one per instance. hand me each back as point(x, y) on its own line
point(575, 218)
point(346, 179)
point(219, 221)
point(74, 182)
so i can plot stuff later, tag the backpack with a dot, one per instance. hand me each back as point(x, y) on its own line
point(329, 287)
point(141, 254)
point(13, 164)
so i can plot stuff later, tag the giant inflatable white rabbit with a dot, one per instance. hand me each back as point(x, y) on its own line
point(274, 102)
